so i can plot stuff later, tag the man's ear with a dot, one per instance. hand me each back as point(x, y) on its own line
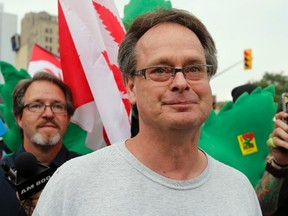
point(19, 120)
point(130, 87)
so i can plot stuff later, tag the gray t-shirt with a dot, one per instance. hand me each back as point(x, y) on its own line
point(111, 181)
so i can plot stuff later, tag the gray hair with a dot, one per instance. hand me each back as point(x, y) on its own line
point(127, 49)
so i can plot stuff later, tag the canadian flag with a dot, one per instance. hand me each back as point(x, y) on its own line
point(42, 60)
point(89, 36)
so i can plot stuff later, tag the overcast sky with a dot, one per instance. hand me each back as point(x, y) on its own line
point(261, 25)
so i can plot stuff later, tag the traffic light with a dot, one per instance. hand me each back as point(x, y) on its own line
point(247, 59)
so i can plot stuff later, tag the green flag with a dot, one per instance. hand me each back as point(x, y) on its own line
point(237, 135)
point(11, 77)
point(137, 7)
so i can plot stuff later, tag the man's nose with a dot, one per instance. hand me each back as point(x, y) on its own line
point(48, 111)
point(179, 82)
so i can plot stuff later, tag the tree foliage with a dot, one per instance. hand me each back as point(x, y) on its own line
point(279, 80)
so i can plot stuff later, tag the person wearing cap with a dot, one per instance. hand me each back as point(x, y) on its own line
point(239, 90)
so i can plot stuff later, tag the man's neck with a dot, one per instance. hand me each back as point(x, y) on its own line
point(44, 154)
point(171, 158)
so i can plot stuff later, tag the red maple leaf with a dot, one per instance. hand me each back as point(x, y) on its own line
point(111, 22)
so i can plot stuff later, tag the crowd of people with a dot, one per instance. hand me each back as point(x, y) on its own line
point(167, 59)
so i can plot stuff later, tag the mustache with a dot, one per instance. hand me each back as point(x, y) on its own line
point(48, 122)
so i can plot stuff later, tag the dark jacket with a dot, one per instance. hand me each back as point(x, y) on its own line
point(10, 205)
point(283, 199)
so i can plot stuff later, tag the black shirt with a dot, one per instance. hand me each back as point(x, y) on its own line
point(10, 205)
point(283, 199)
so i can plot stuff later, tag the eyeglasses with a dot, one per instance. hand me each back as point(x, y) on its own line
point(37, 107)
point(164, 73)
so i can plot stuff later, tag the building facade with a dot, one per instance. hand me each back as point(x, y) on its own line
point(8, 28)
point(37, 28)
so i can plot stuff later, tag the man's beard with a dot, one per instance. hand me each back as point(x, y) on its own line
point(38, 139)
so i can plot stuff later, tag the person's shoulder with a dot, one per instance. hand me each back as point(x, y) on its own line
point(72, 154)
point(96, 158)
point(226, 171)
point(9, 159)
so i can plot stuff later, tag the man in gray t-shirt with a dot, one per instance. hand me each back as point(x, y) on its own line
point(167, 59)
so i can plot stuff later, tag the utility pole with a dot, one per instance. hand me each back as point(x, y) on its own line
point(227, 69)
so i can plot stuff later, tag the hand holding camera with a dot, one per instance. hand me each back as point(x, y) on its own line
point(278, 141)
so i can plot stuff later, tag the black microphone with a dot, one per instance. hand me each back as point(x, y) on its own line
point(29, 176)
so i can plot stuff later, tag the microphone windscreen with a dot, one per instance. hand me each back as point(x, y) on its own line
point(26, 164)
